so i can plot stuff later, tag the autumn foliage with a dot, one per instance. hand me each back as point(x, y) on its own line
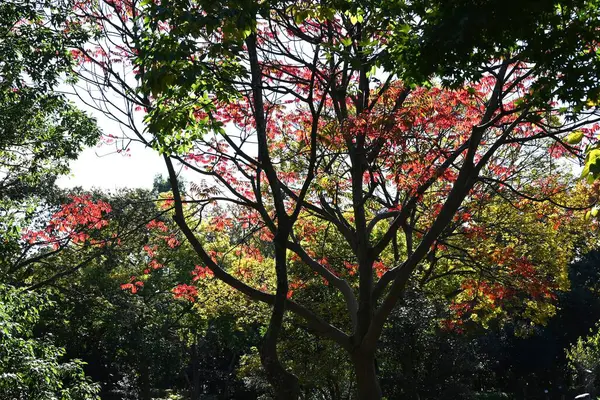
point(76, 222)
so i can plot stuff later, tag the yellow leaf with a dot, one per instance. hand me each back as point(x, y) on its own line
point(574, 137)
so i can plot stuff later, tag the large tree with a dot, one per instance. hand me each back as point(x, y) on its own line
point(306, 116)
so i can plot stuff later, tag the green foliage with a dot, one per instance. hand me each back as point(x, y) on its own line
point(184, 83)
point(574, 137)
point(584, 360)
point(418, 359)
point(39, 136)
point(34, 43)
point(453, 39)
point(33, 367)
point(591, 168)
point(40, 131)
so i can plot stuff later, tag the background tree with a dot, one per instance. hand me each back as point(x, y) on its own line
point(32, 367)
point(40, 131)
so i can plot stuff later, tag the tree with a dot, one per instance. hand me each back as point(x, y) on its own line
point(583, 359)
point(32, 367)
point(296, 112)
point(452, 39)
point(40, 131)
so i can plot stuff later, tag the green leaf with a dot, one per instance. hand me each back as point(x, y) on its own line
point(372, 71)
point(300, 17)
point(574, 137)
point(346, 42)
point(592, 165)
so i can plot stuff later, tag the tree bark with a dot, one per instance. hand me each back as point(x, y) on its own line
point(366, 377)
point(284, 383)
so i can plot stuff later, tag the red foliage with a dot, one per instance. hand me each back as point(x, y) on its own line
point(133, 285)
point(73, 223)
point(293, 286)
point(186, 292)
point(201, 272)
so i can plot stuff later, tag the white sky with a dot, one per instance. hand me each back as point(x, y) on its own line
point(102, 168)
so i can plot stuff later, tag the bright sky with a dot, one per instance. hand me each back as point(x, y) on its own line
point(102, 168)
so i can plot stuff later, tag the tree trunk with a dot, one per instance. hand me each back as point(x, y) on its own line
point(366, 377)
point(284, 383)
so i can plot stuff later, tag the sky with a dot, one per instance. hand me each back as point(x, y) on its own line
point(100, 167)
point(103, 168)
